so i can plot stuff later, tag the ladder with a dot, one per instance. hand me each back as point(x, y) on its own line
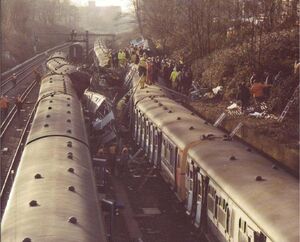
point(220, 119)
point(290, 102)
point(235, 130)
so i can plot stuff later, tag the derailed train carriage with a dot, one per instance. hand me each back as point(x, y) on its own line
point(54, 196)
point(76, 52)
point(101, 116)
point(228, 189)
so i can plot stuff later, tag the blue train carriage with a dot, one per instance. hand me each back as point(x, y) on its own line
point(54, 196)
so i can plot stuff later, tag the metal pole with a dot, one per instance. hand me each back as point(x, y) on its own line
point(87, 45)
point(111, 239)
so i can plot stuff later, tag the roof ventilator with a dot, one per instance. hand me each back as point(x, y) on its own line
point(178, 118)
point(38, 176)
point(72, 220)
point(69, 144)
point(259, 178)
point(170, 111)
point(232, 157)
point(71, 170)
point(70, 155)
point(71, 189)
point(68, 120)
point(69, 131)
point(191, 128)
point(26, 240)
point(46, 125)
point(49, 108)
point(33, 203)
point(208, 137)
point(48, 116)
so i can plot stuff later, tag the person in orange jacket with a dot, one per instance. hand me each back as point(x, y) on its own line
point(257, 90)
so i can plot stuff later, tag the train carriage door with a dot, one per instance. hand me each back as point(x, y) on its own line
point(151, 144)
point(136, 124)
point(189, 185)
point(147, 137)
point(229, 224)
point(143, 119)
point(139, 134)
point(157, 147)
point(199, 199)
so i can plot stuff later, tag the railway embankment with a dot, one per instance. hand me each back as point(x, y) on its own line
point(278, 141)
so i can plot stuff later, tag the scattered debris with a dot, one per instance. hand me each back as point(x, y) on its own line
point(232, 106)
point(217, 90)
point(5, 150)
point(256, 115)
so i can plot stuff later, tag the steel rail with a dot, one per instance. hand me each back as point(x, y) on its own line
point(21, 71)
point(14, 69)
point(11, 115)
point(6, 186)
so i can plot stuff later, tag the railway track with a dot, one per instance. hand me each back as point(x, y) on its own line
point(15, 126)
point(7, 84)
point(13, 166)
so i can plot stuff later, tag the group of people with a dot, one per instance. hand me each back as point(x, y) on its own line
point(5, 101)
point(111, 153)
point(175, 74)
point(5, 104)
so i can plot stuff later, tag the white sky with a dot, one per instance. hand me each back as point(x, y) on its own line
point(125, 4)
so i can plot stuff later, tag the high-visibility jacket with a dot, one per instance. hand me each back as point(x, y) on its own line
point(3, 103)
point(257, 89)
point(173, 76)
point(142, 62)
point(121, 55)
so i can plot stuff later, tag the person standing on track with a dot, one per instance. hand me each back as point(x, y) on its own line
point(14, 79)
point(123, 167)
point(19, 104)
point(112, 158)
point(4, 104)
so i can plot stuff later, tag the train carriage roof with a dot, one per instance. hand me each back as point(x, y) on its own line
point(177, 122)
point(55, 63)
point(56, 203)
point(273, 203)
point(58, 115)
point(56, 84)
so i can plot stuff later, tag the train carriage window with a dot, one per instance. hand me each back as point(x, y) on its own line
point(227, 220)
point(216, 210)
point(178, 160)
